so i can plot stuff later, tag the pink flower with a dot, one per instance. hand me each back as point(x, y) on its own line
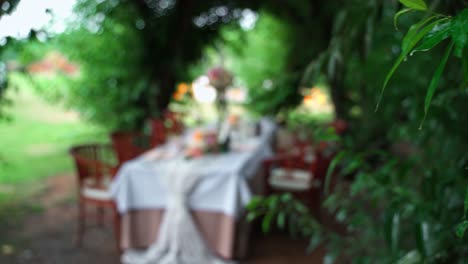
point(219, 77)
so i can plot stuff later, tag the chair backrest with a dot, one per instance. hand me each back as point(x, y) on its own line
point(158, 132)
point(94, 161)
point(162, 127)
point(129, 145)
point(173, 123)
point(340, 126)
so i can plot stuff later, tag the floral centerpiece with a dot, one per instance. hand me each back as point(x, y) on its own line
point(201, 142)
point(221, 79)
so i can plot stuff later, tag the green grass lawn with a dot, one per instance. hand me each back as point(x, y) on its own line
point(35, 143)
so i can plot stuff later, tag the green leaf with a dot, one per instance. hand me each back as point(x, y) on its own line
point(266, 223)
point(435, 82)
point(300, 207)
point(461, 228)
point(254, 203)
point(292, 223)
point(352, 166)
point(465, 214)
point(422, 239)
point(435, 36)
point(414, 35)
point(281, 220)
point(314, 243)
point(465, 69)
point(251, 216)
point(330, 258)
point(273, 202)
point(412, 257)
point(286, 197)
point(459, 31)
point(415, 4)
point(395, 231)
point(392, 230)
point(330, 170)
point(398, 14)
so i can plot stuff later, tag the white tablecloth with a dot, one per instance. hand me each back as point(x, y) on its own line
point(223, 188)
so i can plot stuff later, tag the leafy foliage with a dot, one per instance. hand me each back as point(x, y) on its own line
point(260, 62)
point(400, 189)
point(428, 33)
point(112, 94)
point(284, 212)
point(8, 6)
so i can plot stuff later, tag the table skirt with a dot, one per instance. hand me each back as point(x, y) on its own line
point(226, 236)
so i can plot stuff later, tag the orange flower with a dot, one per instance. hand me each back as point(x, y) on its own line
point(177, 96)
point(308, 100)
point(182, 88)
point(198, 136)
point(233, 119)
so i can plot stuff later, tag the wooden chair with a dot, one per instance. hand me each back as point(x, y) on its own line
point(173, 123)
point(129, 145)
point(94, 173)
point(296, 174)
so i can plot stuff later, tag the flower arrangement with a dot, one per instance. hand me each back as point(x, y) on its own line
point(201, 142)
point(220, 78)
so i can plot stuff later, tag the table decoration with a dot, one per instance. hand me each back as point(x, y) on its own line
point(221, 79)
point(200, 142)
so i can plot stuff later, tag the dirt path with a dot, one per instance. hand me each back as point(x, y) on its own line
point(48, 236)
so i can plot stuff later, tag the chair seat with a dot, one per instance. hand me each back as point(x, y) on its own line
point(290, 179)
point(96, 194)
point(90, 190)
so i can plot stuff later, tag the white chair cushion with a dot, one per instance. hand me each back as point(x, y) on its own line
point(290, 179)
point(90, 191)
point(96, 194)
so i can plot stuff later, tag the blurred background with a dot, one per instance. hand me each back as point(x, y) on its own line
point(77, 71)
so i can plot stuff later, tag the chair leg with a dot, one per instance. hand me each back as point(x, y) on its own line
point(117, 229)
point(100, 216)
point(81, 222)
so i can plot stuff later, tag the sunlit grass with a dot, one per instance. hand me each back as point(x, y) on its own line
point(35, 143)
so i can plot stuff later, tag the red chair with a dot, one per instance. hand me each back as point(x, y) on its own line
point(162, 128)
point(173, 123)
point(94, 173)
point(296, 174)
point(126, 147)
point(340, 126)
point(158, 132)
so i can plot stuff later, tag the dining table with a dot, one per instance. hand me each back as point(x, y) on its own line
point(213, 190)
